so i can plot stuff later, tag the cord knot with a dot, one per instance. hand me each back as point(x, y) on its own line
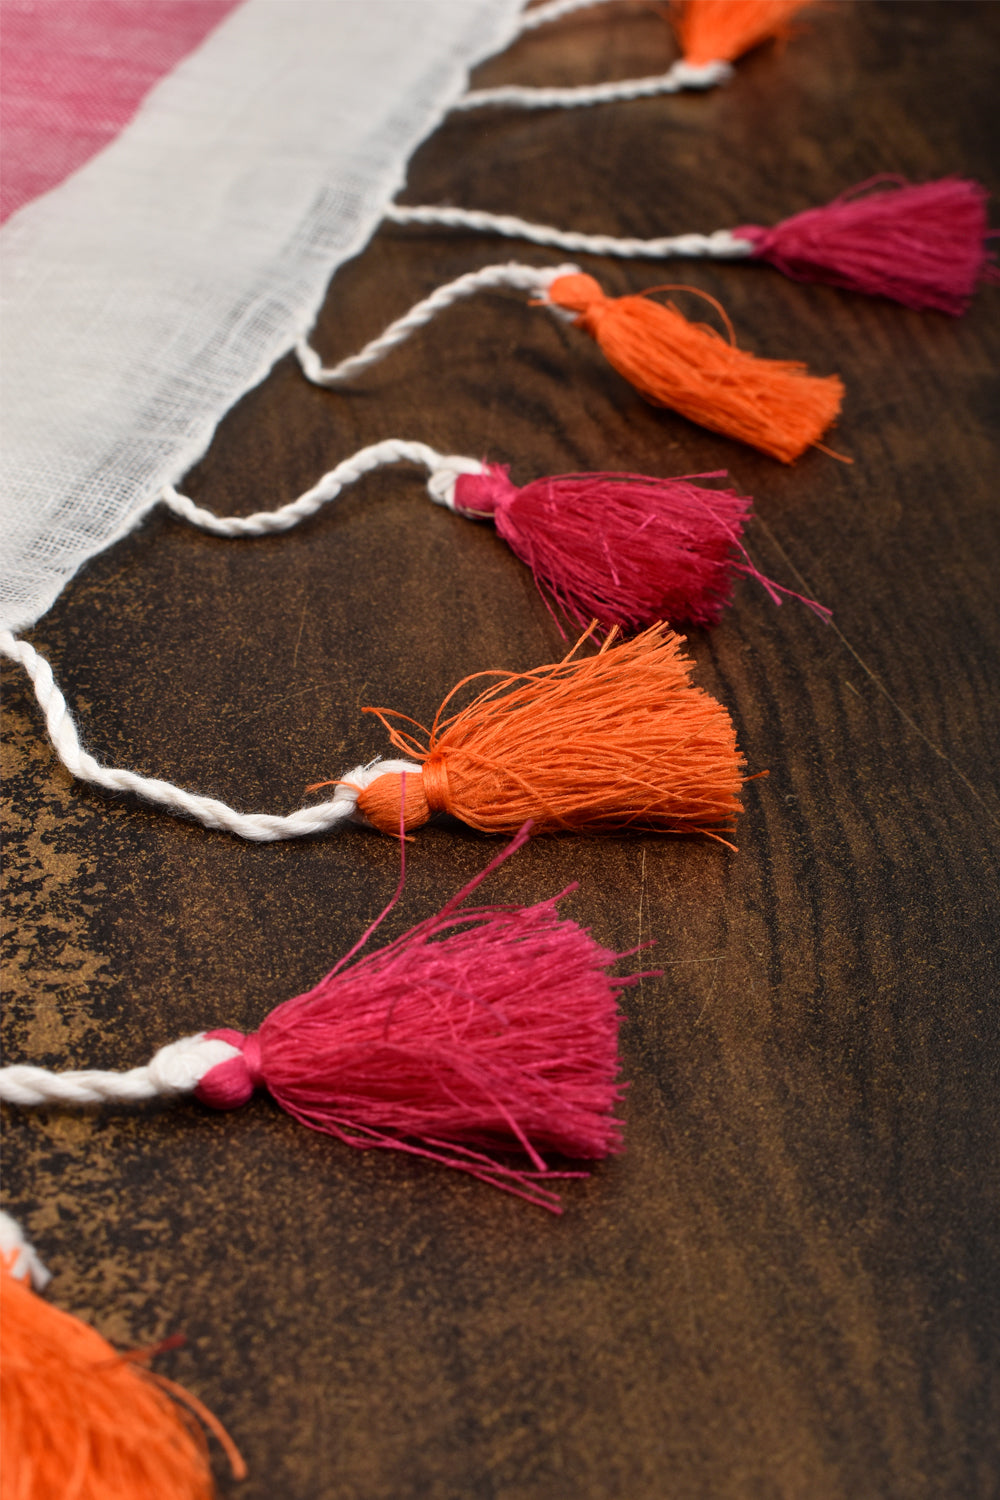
point(231, 1083)
point(582, 295)
point(448, 474)
point(425, 794)
point(484, 493)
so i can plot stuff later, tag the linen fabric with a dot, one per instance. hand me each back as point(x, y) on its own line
point(156, 285)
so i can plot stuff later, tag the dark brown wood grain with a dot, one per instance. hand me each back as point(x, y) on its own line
point(788, 1284)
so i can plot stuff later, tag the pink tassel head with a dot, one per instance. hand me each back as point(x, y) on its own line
point(622, 549)
point(923, 245)
point(480, 1033)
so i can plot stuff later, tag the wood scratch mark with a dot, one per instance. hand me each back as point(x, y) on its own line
point(642, 893)
point(874, 678)
point(713, 958)
point(711, 989)
point(277, 703)
point(689, 1300)
point(298, 638)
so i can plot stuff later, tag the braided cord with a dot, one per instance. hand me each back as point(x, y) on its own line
point(176, 1069)
point(208, 811)
point(535, 279)
point(443, 473)
point(722, 245)
point(679, 76)
point(541, 15)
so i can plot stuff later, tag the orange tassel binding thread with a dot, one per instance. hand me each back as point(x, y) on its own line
point(618, 740)
point(81, 1420)
point(774, 405)
point(722, 30)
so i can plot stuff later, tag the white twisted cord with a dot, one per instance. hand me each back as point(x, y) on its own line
point(19, 1256)
point(441, 487)
point(722, 245)
point(441, 484)
point(680, 75)
point(258, 827)
point(177, 1068)
point(519, 278)
point(541, 15)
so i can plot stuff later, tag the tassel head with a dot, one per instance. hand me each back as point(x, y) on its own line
point(923, 245)
point(775, 406)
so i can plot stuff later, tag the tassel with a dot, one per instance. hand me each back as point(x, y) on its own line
point(481, 1032)
point(618, 740)
point(774, 405)
point(81, 1420)
point(722, 30)
point(922, 245)
point(621, 741)
point(622, 549)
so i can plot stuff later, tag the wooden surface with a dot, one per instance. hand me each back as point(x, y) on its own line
point(787, 1286)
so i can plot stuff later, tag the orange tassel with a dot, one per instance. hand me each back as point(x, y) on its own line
point(622, 739)
point(81, 1420)
point(722, 30)
point(774, 405)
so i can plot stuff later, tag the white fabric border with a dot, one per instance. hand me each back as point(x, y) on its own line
point(159, 283)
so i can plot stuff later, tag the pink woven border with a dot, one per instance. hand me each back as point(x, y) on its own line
point(76, 71)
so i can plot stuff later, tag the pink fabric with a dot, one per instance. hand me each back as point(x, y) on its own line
point(76, 71)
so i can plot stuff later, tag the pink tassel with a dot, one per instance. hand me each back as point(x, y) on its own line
point(480, 1030)
point(921, 245)
point(622, 549)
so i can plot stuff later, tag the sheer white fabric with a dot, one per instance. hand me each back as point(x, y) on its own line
point(147, 293)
